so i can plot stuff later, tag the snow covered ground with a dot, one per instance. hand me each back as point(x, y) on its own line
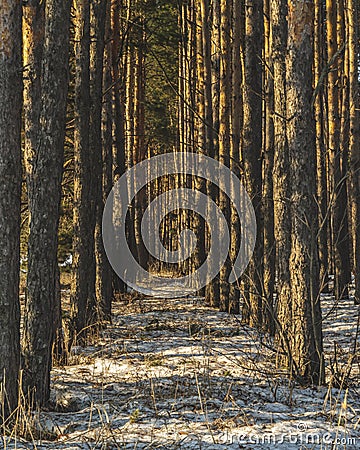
point(174, 374)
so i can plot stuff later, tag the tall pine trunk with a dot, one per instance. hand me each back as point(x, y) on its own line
point(83, 282)
point(33, 43)
point(212, 288)
point(354, 143)
point(320, 116)
point(104, 291)
point(268, 166)
point(98, 21)
point(252, 147)
point(337, 185)
point(44, 204)
point(118, 94)
point(306, 334)
point(224, 135)
point(10, 193)
point(281, 178)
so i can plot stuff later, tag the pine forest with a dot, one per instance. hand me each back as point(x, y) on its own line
point(180, 224)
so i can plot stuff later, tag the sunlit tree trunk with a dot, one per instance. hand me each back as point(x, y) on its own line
point(44, 204)
point(215, 52)
point(306, 334)
point(281, 178)
point(33, 43)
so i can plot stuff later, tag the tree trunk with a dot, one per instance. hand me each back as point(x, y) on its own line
point(97, 29)
point(338, 185)
point(252, 146)
point(306, 335)
point(320, 144)
point(224, 134)
point(33, 43)
point(118, 92)
point(236, 120)
point(198, 224)
point(212, 288)
point(139, 149)
point(354, 142)
point(281, 178)
point(104, 290)
point(10, 194)
point(44, 204)
point(82, 287)
point(268, 166)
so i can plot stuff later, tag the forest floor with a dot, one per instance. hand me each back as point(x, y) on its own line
point(174, 374)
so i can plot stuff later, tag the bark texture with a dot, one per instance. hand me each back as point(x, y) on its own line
point(252, 147)
point(305, 338)
point(281, 177)
point(83, 283)
point(10, 192)
point(354, 143)
point(44, 204)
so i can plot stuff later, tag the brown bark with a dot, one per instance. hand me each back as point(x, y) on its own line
point(252, 146)
point(338, 185)
point(118, 92)
point(82, 292)
point(235, 125)
point(320, 116)
point(354, 142)
point(90, 21)
point(212, 288)
point(268, 166)
point(281, 177)
point(139, 149)
point(306, 335)
point(104, 290)
point(10, 193)
point(33, 43)
point(201, 134)
point(44, 204)
point(224, 135)
point(98, 260)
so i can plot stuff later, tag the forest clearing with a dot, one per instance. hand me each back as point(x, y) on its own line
point(179, 224)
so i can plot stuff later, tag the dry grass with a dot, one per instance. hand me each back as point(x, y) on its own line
point(176, 374)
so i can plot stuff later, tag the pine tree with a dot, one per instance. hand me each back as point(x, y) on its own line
point(44, 204)
point(10, 193)
point(354, 140)
point(306, 332)
point(83, 282)
point(251, 151)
